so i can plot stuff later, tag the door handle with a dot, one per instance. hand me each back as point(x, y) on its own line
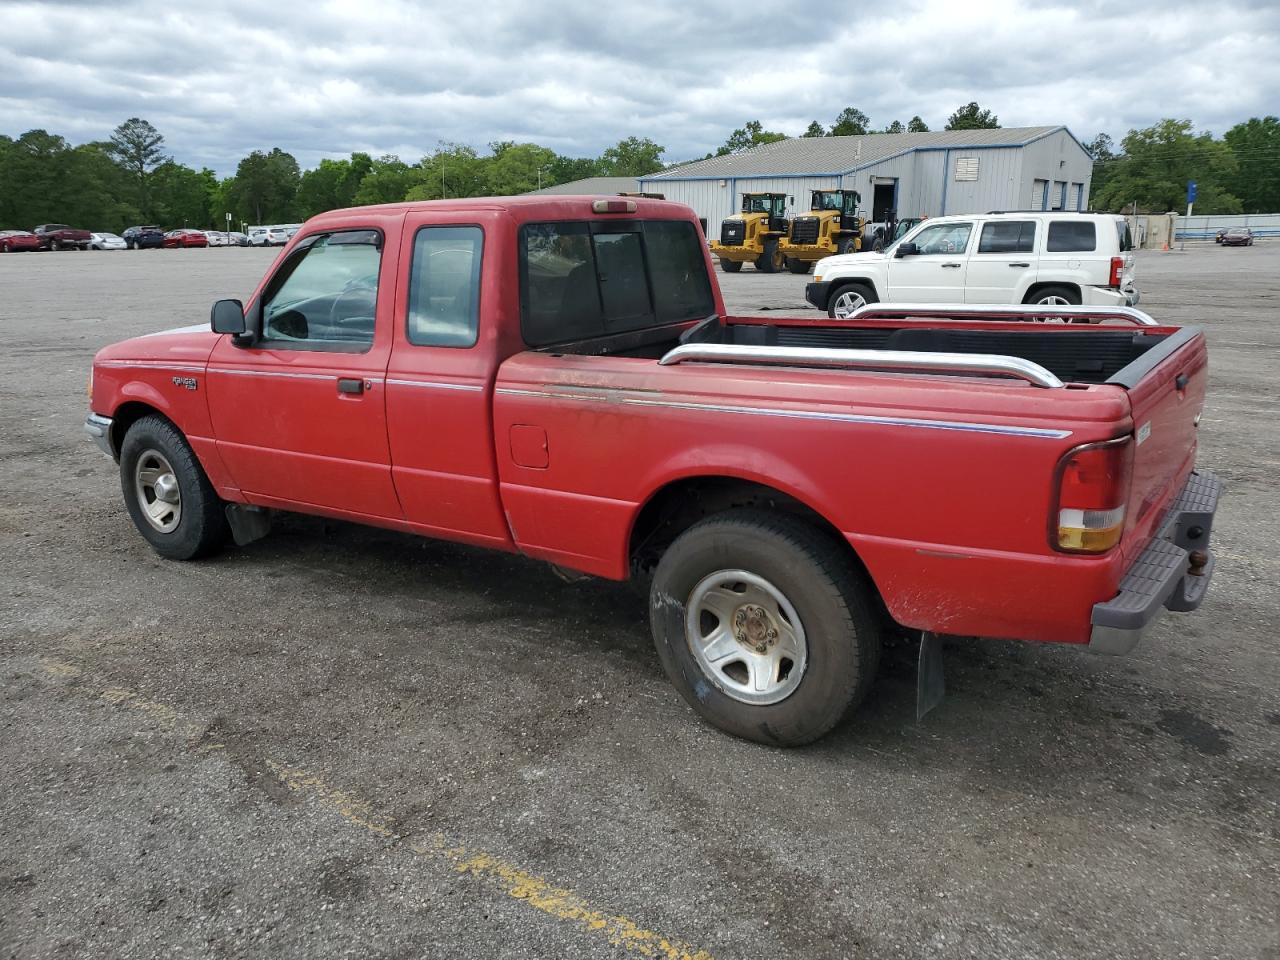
point(956, 265)
point(350, 385)
point(1019, 264)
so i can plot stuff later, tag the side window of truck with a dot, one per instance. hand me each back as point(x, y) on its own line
point(325, 295)
point(444, 287)
point(580, 280)
point(1071, 236)
point(1005, 236)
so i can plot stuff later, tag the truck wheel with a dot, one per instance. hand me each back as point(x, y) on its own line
point(770, 261)
point(847, 245)
point(847, 298)
point(730, 266)
point(799, 266)
point(54, 245)
point(1055, 296)
point(763, 626)
point(167, 494)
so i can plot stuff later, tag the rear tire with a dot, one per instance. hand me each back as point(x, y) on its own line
point(799, 266)
point(1055, 296)
point(167, 494)
point(769, 575)
point(730, 266)
point(770, 261)
point(847, 298)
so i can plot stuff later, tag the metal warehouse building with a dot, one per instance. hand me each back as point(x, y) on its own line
point(912, 174)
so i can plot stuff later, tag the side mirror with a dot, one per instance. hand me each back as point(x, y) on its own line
point(227, 316)
point(906, 250)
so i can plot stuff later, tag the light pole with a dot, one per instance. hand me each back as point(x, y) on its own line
point(541, 170)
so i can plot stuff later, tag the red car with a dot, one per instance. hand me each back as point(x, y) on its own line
point(185, 238)
point(11, 241)
point(59, 236)
point(557, 377)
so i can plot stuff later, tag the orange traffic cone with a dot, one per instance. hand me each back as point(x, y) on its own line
point(1165, 248)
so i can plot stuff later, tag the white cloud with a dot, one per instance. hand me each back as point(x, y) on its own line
point(323, 79)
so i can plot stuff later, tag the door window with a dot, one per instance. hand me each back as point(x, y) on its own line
point(444, 287)
point(325, 295)
point(1007, 236)
point(943, 238)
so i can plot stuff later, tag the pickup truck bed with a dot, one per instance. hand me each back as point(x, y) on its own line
point(551, 376)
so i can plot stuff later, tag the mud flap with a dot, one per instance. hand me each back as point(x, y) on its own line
point(247, 523)
point(931, 686)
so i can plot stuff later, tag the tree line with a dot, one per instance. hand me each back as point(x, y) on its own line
point(130, 179)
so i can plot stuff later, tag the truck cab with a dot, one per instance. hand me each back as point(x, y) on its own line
point(755, 235)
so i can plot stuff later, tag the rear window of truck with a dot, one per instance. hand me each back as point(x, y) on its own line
point(581, 279)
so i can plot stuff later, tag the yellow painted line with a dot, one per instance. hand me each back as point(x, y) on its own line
point(508, 879)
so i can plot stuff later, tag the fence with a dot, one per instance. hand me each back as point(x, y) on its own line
point(1206, 228)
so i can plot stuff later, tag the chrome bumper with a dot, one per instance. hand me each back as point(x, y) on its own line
point(1163, 576)
point(99, 428)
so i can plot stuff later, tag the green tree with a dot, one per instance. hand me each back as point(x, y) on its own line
point(37, 180)
point(850, 123)
point(632, 157)
point(568, 169)
point(321, 188)
point(895, 127)
point(752, 134)
point(139, 148)
point(1157, 164)
point(183, 197)
point(815, 129)
point(972, 117)
point(514, 168)
point(916, 125)
point(265, 187)
point(1103, 150)
point(1255, 145)
point(388, 180)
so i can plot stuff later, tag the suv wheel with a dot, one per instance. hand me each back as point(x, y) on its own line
point(1055, 297)
point(847, 298)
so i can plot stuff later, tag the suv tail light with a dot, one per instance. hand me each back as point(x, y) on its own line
point(1093, 486)
point(1117, 271)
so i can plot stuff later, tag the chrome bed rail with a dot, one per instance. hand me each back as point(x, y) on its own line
point(982, 364)
point(1000, 311)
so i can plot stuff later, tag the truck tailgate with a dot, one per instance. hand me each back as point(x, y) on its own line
point(1166, 396)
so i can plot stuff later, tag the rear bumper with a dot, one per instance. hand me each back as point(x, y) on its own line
point(1110, 297)
point(1161, 577)
point(818, 294)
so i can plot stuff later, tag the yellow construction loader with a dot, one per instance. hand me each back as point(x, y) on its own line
point(754, 235)
point(832, 225)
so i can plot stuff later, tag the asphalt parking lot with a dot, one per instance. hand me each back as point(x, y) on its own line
point(346, 742)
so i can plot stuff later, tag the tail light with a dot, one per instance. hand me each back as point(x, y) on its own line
point(613, 206)
point(1093, 487)
point(1117, 271)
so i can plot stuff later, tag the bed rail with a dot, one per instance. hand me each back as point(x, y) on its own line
point(981, 364)
point(1000, 311)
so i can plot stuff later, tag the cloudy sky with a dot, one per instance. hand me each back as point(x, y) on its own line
point(391, 76)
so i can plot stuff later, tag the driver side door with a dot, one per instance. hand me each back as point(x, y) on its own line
point(937, 273)
point(299, 415)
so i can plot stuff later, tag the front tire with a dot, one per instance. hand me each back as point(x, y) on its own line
point(847, 245)
point(849, 297)
point(764, 626)
point(770, 261)
point(54, 245)
point(168, 496)
point(730, 266)
point(799, 266)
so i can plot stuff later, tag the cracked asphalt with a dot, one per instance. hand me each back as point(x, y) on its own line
point(343, 742)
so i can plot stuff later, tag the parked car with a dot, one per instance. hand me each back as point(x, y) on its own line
point(143, 238)
point(106, 241)
point(185, 237)
point(237, 239)
point(1041, 257)
point(216, 238)
point(776, 510)
point(59, 236)
point(1238, 237)
point(269, 236)
point(1217, 237)
point(14, 241)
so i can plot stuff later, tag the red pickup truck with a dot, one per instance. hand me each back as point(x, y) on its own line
point(556, 376)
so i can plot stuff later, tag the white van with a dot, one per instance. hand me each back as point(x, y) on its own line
point(1044, 257)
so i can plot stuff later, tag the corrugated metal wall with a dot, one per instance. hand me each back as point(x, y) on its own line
point(715, 202)
point(1058, 161)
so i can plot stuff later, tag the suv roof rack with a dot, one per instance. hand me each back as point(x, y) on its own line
point(1001, 311)
point(990, 213)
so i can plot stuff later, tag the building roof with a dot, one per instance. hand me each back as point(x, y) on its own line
point(832, 156)
point(607, 185)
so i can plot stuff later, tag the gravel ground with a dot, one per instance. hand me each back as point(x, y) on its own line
point(345, 742)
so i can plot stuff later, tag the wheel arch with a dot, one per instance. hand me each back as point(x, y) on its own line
point(127, 414)
point(1034, 289)
point(838, 282)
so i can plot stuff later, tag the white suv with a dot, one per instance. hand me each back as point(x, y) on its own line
point(1034, 257)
